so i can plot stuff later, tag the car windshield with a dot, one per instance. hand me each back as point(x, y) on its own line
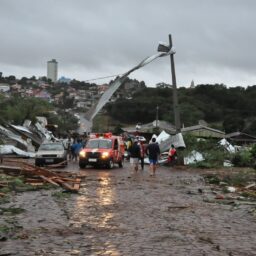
point(52, 146)
point(99, 144)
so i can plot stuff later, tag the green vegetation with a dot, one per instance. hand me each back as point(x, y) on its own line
point(4, 229)
point(10, 231)
point(17, 184)
point(231, 108)
point(245, 158)
point(11, 211)
point(61, 195)
point(104, 123)
point(228, 109)
point(16, 109)
point(63, 120)
point(235, 178)
point(213, 153)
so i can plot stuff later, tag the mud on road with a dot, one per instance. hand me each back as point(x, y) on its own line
point(119, 213)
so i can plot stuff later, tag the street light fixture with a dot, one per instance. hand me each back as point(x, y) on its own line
point(164, 47)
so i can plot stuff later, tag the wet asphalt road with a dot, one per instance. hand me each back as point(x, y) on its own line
point(117, 212)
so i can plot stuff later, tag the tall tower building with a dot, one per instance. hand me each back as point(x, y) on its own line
point(52, 70)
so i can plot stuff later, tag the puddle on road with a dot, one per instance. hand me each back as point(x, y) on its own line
point(93, 210)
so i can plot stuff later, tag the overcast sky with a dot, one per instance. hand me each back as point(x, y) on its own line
point(214, 40)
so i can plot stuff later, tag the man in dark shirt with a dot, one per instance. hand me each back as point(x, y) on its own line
point(153, 152)
point(134, 155)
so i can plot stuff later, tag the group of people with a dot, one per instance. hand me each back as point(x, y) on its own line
point(137, 151)
point(74, 145)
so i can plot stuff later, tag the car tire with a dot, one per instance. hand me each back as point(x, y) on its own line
point(110, 164)
point(82, 165)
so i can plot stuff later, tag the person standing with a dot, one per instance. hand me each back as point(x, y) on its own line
point(142, 154)
point(134, 152)
point(128, 146)
point(73, 149)
point(172, 155)
point(153, 152)
point(78, 148)
point(68, 147)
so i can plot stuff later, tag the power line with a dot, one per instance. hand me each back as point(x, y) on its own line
point(103, 77)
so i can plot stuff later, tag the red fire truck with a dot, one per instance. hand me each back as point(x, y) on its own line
point(102, 150)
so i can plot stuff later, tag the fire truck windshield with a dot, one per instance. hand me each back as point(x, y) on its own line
point(99, 143)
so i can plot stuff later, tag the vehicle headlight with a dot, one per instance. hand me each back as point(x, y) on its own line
point(82, 154)
point(59, 155)
point(105, 155)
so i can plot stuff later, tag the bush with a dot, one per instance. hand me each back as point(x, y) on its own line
point(213, 154)
point(253, 151)
point(243, 159)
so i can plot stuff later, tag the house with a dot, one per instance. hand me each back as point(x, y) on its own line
point(203, 131)
point(147, 130)
point(102, 88)
point(239, 138)
point(82, 104)
point(43, 95)
point(16, 87)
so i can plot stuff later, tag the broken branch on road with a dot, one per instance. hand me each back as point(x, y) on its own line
point(34, 175)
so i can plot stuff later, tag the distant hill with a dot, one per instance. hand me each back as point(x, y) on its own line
point(229, 109)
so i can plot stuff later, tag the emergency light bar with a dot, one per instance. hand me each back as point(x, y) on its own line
point(106, 135)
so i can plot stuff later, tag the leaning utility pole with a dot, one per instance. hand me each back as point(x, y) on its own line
point(174, 90)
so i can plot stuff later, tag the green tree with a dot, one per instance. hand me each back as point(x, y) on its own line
point(233, 124)
point(17, 109)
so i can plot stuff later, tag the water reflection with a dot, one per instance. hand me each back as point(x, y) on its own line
point(105, 192)
point(94, 209)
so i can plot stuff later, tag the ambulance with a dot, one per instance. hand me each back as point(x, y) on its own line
point(104, 150)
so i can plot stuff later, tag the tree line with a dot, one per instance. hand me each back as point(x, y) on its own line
point(228, 109)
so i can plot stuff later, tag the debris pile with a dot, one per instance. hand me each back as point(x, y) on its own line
point(234, 189)
point(37, 176)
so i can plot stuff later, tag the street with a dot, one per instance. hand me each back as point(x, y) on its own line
point(117, 212)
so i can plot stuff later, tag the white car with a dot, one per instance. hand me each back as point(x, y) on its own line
point(51, 153)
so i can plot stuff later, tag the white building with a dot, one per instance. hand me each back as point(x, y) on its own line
point(52, 70)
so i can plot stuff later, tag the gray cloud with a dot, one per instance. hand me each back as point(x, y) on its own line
point(214, 39)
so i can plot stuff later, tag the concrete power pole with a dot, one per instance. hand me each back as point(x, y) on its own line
point(174, 90)
point(157, 118)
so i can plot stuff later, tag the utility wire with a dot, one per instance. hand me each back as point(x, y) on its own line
point(103, 77)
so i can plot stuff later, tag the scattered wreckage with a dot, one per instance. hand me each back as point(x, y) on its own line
point(36, 176)
point(24, 140)
point(20, 142)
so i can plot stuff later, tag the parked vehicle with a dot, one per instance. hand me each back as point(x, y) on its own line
point(103, 150)
point(51, 153)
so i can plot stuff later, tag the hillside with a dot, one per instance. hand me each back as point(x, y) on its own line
point(228, 109)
